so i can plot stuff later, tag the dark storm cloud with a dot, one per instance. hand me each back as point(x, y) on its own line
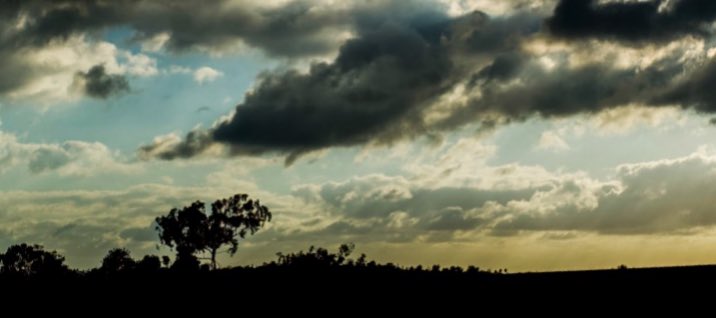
point(298, 28)
point(505, 66)
point(564, 90)
point(375, 91)
point(632, 21)
point(695, 91)
point(569, 91)
point(403, 57)
point(98, 84)
point(12, 63)
point(376, 81)
point(495, 35)
point(295, 29)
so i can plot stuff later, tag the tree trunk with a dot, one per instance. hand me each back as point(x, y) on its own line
point(213, 259)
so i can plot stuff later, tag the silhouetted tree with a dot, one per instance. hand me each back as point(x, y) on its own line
point(190, 230)
point(318, 257)
point(150, 263)
point(29, 260)
point(166, 260)
point(185, 261)
point(117, 260)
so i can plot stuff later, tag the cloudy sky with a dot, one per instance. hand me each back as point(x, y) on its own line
point(531, 135)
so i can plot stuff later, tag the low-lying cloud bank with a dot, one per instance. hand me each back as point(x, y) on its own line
point(445, 200)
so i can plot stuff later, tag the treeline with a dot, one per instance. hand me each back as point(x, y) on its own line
point(33, 261)
point(198, 232)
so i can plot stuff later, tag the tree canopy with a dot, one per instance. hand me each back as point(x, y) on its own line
point(30, 260)
point(117, 260)
point(190, 230)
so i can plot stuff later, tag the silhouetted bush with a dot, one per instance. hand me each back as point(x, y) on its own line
point(186, 262)
point(320, 257)
point(31, 260)
point(149, 264)
point(117, 260)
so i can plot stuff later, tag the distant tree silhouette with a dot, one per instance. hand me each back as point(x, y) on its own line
point(166, 260)
point(473, 269)
point(190, 230)
point(30, 260)
point(186, 261)
point(150, 263)
point(320, 257)
point(117, 260)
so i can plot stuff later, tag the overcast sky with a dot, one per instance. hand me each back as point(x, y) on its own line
point(528, 135)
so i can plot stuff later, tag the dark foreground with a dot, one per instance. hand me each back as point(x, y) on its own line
point(380, 286)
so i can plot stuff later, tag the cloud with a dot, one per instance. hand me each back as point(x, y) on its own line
point(98, 84)
point(377, 89)
point(632, 21)
point(402, 77)
point(156, 43)
point(372, 91)
point(693, 91)
point(295, 28)
point(476, 200)
point(49, 73)
point(550, 140)
point(206, 74)
point(378, 196)
point(70, 158)
point(448, 194)
point(140, 234)
point(452, 192)
point(84, 224)
point(172, 146)
point(178, 69)
point(662, 196)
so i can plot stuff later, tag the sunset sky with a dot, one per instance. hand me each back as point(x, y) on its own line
point(528, 135)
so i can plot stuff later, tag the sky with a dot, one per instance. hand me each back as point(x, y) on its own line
point(527, 135)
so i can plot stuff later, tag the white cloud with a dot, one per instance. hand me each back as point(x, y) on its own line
point(206, 74)
point(70, 158)
point(178, 69)
point(139, 64)
point(454, 190)
point(689, 50)
point(621, 120)
point(461, 7)
point(663, 196)
point(550, 140)
point(53, 67)
point(156, 43)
